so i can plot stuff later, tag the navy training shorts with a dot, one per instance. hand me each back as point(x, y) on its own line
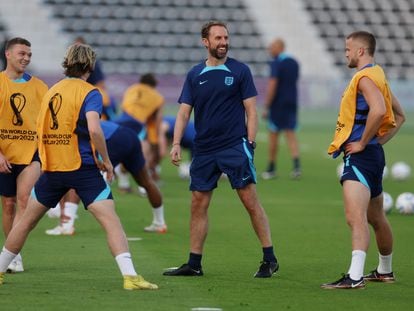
point(366, 167)
point(87, 182)
point(236, 162)
point(124, 147)
point(8, 181)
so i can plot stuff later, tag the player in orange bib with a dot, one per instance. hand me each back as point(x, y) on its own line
point(20, 97)
point(73, 151)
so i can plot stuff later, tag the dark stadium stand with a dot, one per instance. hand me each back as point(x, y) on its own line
point(3, 32)
point(134, 36)
point(392, 22)
point(3, 37)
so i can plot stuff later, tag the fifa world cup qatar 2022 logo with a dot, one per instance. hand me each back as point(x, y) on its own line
point(54, 106)
point(17, 103)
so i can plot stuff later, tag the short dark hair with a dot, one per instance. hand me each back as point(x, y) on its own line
point(366, 37)
point(80, 39)
point(12, 42)
point(205, 29)
point(148, 79)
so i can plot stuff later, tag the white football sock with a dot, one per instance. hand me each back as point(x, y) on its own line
point(125, 264)
point(70, 211)
point(6, 257)
point(158, 215)
point(356, 270)
point(123, 178)
point(384, 264)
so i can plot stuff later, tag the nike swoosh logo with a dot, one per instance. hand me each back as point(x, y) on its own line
point(245, 178)
point(202, 82)
point(357, 284)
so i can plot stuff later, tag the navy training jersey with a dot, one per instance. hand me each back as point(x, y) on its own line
point(189, 133)
point(216, 94)
point(109, 128)
point(286, 70)
point(96, 75)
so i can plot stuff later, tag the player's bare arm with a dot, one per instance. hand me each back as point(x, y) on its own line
point(5, 166)
point(183, 116)
point(98, 140)
point(377, 110)
point(270, 95)
point(399, 116)
point(252, 119)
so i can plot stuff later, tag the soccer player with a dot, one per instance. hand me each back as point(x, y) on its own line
point(20, 98)
point(142, 112)
point(97, 78)
point(123, 147)
point(187, 142)
point(281, 107)
point(70, 136)
point(369, 116)
point(167, 131)
point(222, 93)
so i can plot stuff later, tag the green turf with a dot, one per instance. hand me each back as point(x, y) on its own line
point(311, 239)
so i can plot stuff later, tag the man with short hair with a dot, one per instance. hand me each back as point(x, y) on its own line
point(20, 98)
point(369, 116)
point(222, 93)
point(281, 107)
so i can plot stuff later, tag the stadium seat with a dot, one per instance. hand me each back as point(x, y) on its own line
point(175, 25)
point(155, 30)
point(391, 21)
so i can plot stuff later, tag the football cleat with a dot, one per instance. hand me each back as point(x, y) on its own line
point(61, 230)
point(295, 174)
point(345, 282)
point(15, 266)
point(184, 270)
point(375, 276)
point(156, 228)
point(137, 282)
point(142, 192)
point(266, 175)
point(266, 269)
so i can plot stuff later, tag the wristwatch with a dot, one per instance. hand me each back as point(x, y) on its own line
point(252, 144)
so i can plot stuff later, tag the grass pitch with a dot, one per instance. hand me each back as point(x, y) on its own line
point(310, 236)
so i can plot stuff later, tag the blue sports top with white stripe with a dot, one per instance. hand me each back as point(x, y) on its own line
point(216, 94)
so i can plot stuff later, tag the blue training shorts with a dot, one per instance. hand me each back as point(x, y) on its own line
point(236, 162)
point(283, 117)
point(87, 182)
point(366, 167)
point(8, 181)
point(124, 147)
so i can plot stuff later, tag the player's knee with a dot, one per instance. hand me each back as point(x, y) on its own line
point(356, 222)
point(376, 221)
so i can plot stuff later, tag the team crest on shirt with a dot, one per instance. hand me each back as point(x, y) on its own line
point(228, 80)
